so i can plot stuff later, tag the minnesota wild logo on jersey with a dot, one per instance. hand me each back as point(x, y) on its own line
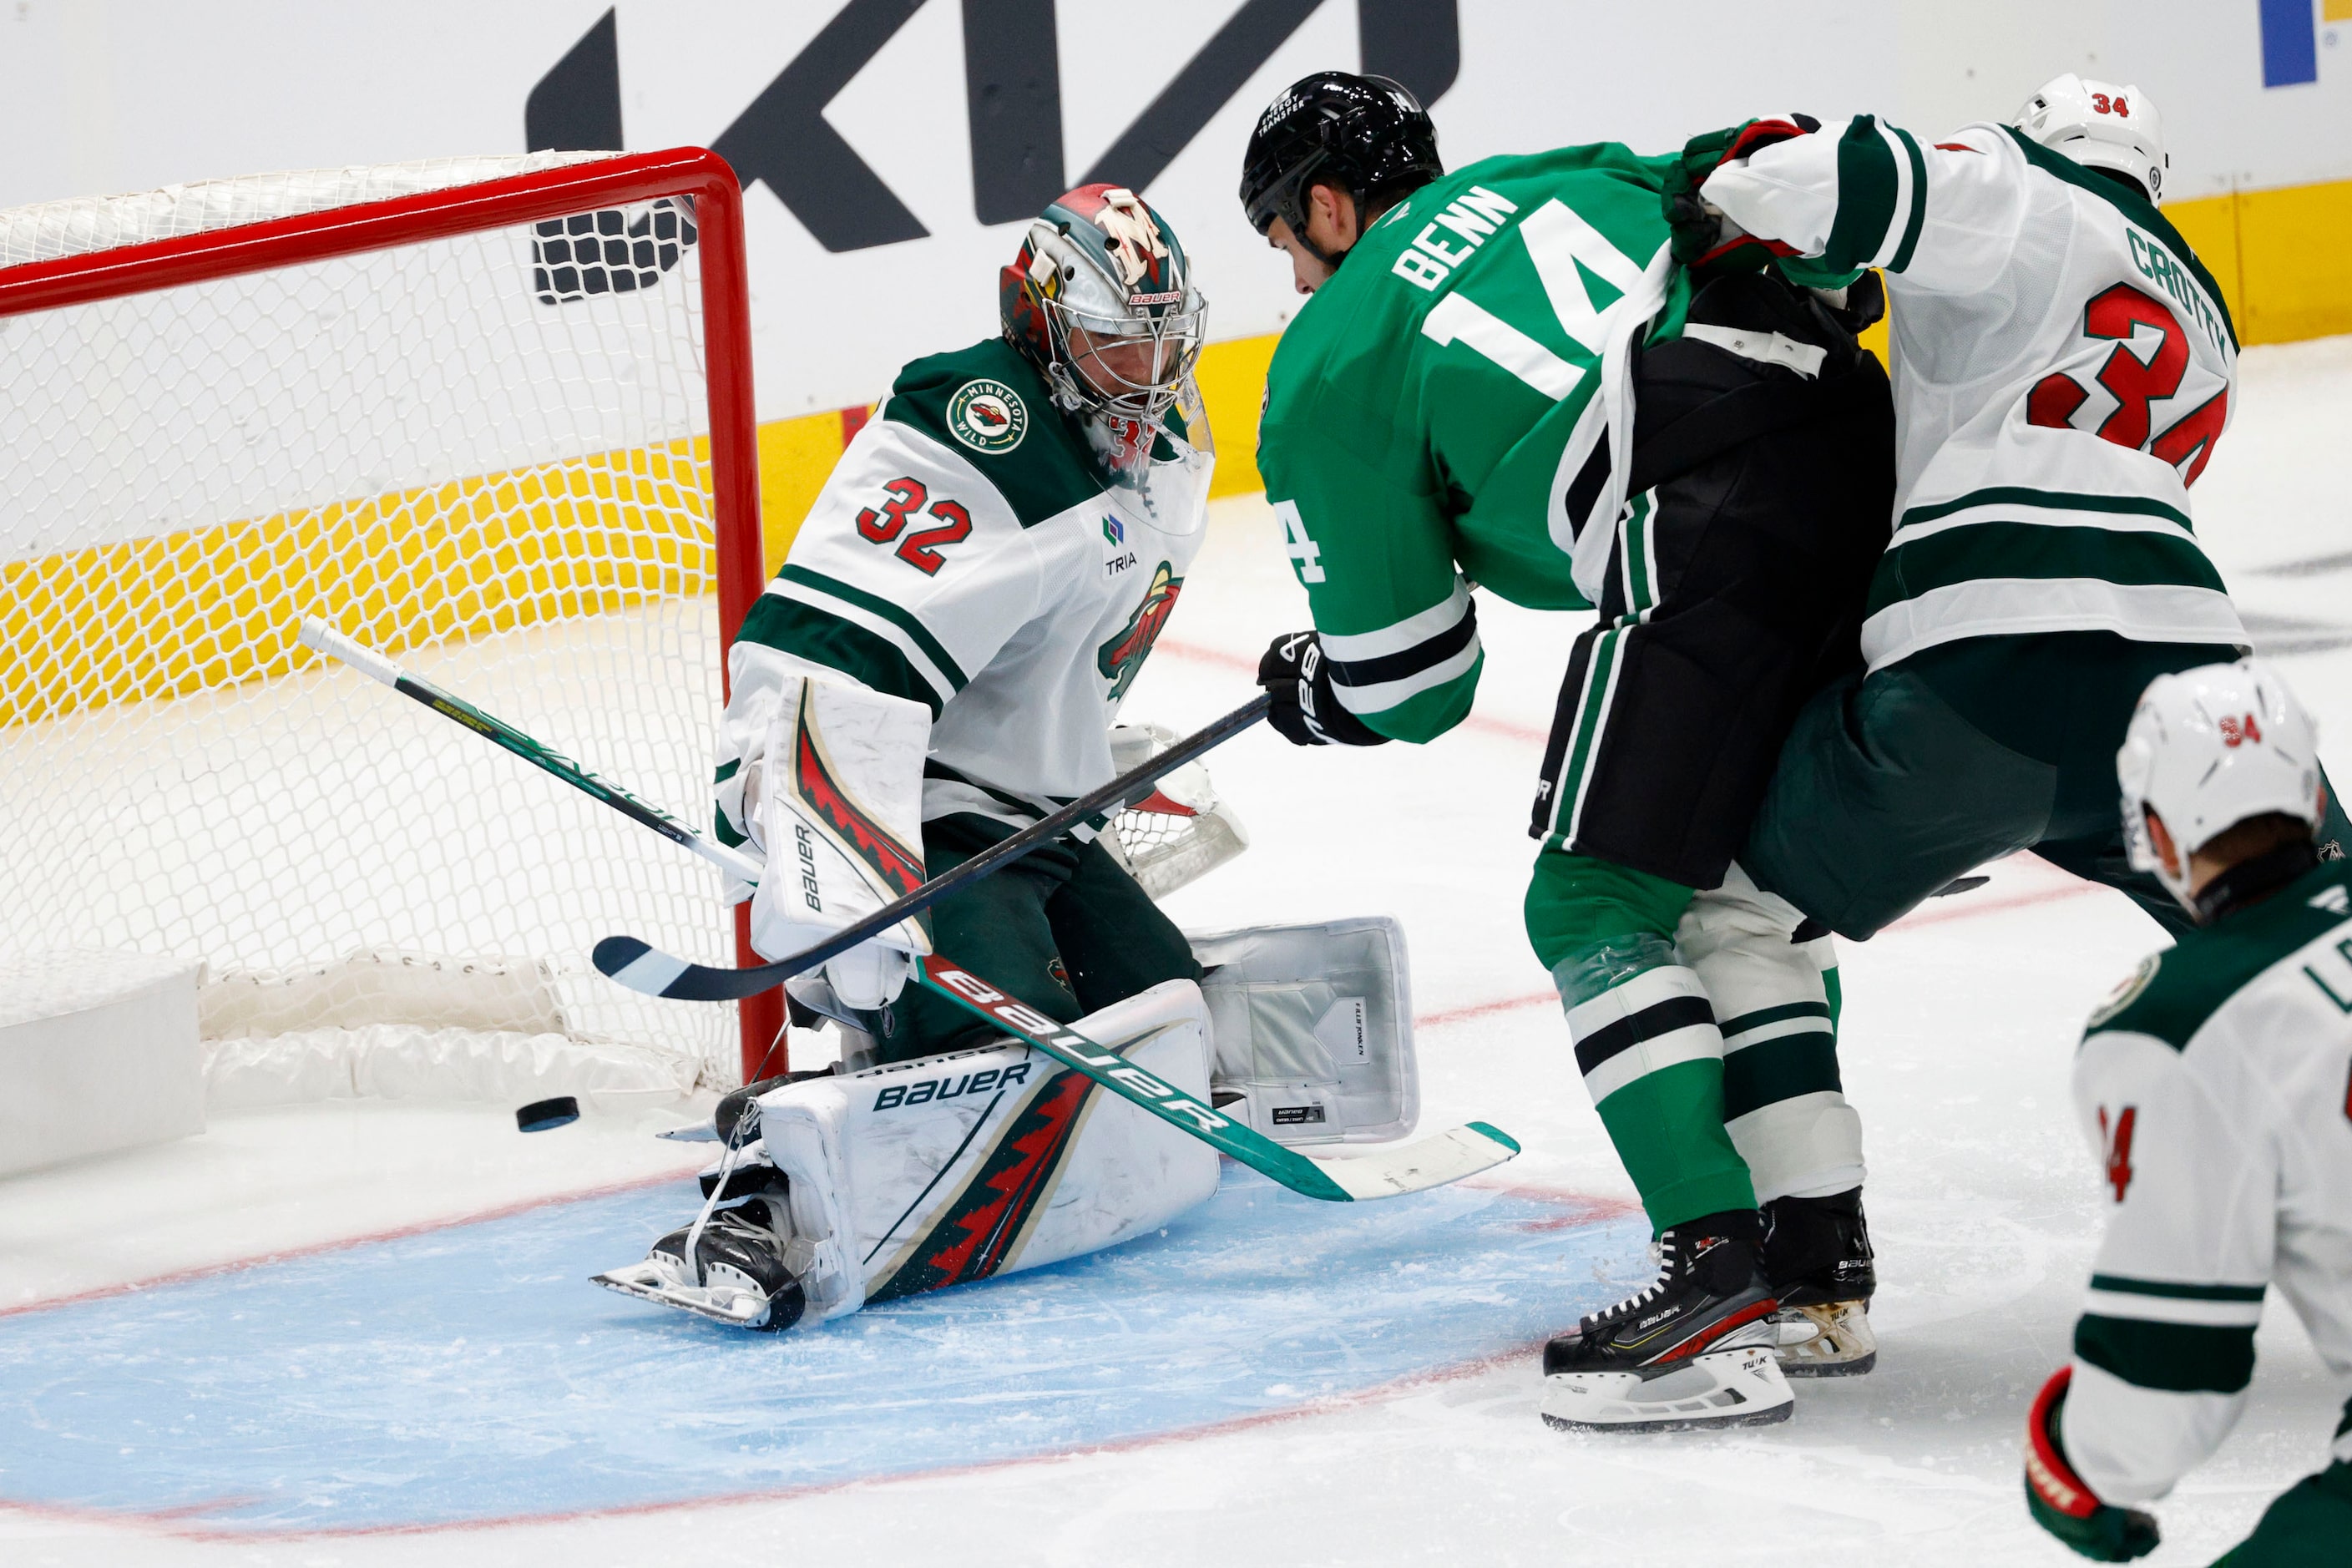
point(987, 416)
point(1122, 658)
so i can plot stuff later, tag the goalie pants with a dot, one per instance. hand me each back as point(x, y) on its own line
point(1894, 783)
point(1064, 929)
point(1736, 589)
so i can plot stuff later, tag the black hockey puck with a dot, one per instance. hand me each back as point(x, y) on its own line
point(541, 1114)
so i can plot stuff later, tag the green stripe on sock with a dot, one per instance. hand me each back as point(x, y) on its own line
point(1763, 1016)
point(1773, 1070)
point(1668, 1129)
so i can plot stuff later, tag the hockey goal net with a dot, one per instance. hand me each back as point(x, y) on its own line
point(492, 417)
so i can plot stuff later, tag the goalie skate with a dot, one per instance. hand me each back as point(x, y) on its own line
point(746, 1277)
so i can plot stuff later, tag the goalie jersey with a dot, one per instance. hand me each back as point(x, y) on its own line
point(2062, 371)
point(972, 553)
point(1456, 405)
point(2217, 1091)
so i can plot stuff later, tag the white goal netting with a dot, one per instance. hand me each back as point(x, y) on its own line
point(485, 456)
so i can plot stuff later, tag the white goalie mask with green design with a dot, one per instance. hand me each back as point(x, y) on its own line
point(1101, 301)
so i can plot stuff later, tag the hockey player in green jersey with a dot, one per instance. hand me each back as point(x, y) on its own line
point(2211, 1091)
point(1502, 379)
point(2063, 367)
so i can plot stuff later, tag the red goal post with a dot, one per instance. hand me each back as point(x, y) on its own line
point(593, 185)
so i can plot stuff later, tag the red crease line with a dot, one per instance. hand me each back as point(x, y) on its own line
point(344, 1244)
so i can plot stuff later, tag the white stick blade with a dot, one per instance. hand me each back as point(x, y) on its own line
point(1420, 1166)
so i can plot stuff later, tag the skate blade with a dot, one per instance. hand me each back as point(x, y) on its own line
point(1833, 1338)
point(1741, 1387)
point(720, 1303)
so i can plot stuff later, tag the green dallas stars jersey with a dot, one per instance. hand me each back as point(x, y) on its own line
point(2214, 1091)
point(1455, 406)
point(970, 554)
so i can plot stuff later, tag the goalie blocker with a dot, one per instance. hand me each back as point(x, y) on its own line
point(842, 1188)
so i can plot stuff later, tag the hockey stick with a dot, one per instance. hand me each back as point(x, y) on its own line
point(1414, 1167)
point(641, 966)
point(1426, 1163)
point(316, 634)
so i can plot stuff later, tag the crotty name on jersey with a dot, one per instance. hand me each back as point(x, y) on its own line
point(2062, 366)
point(970, 554)
point(1454, 405)
point(2217, 1090)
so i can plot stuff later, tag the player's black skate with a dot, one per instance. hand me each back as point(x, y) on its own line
point(742, 1271)
point(1818, 1258)
point(1694, 1348)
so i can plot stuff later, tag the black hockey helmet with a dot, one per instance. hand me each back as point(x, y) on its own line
point(1365, 134)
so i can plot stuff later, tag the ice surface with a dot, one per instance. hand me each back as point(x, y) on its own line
point(465, 1375)
point(1958, 1031)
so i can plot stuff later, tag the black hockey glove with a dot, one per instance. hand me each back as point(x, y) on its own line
point(1703, 236)
point(2059, 1500)
point(1305, 711)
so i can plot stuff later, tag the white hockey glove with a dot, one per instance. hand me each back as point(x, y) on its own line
point(839, 802)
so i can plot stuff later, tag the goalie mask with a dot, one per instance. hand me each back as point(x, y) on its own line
point(2206, 750)
point(1101, 300)
point(2100, 126)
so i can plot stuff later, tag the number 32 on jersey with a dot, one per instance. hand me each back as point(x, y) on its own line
point(919, 549)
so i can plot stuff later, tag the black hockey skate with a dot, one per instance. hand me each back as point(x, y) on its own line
point(1817, 1257)
point(1694, 1348)
point(741, 1272)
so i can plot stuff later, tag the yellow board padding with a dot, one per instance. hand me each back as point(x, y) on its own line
point(206, 607)
point(796, 457)
point(1232, 377)
point(2335, 10)
point(2279, 257)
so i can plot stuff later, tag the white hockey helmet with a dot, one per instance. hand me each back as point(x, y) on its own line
point(2209, 748)
point(2100, 126)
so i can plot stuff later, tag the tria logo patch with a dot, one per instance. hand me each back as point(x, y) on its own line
point(2118, 1142)
point(1114, 530)
point(987, 416)
point(1120, 660)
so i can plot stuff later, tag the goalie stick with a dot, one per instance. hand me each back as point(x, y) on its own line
point(642, 967)
point(318, 635)
point(1413, 1167)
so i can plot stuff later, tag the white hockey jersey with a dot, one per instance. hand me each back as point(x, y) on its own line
point(2217, 1092)
point(2062, 371)
point(968, 552)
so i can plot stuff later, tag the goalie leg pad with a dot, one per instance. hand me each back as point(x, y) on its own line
point(1313, 1027)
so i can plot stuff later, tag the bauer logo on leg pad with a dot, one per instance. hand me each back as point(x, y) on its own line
point(981, 1082)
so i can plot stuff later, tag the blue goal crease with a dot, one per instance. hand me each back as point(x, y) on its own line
point(473, 1375)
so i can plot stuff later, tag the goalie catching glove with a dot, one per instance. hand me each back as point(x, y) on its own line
point(1305, 711)
point(836, 799)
